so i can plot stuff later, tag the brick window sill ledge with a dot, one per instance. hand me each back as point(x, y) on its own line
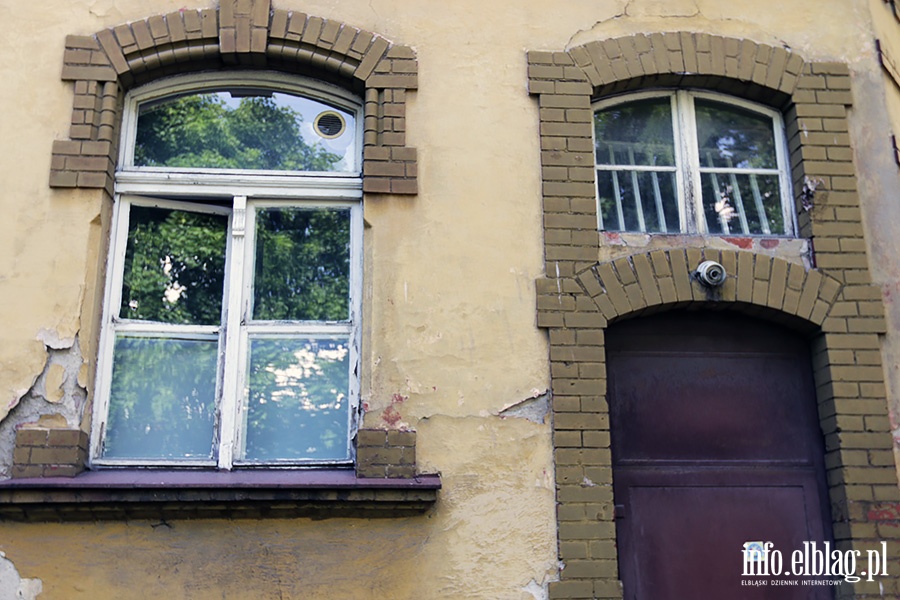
point(119, 494)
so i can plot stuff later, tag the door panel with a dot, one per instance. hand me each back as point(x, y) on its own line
point(715, 442)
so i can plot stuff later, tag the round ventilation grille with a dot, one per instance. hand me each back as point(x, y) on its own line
point(329, 124)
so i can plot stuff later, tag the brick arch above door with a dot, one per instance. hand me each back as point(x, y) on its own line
point(648, 280)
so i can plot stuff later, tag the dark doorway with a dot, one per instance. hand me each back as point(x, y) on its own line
point(715, 442)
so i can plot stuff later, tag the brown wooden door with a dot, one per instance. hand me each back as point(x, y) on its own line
point(715, 442)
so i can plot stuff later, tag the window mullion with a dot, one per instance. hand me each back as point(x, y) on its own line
point(788, 207)
point(682, 177)
point(693, 191)
point(229, 407)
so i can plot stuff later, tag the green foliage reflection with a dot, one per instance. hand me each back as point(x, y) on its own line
point(302, 270)
point(203, 131)
point(174, 266)
point(731, 137)
point(162, 400)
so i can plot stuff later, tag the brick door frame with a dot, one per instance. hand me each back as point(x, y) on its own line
point(835, 303)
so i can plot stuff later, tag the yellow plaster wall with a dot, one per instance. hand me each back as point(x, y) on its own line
point(876, 117)
point(449, 293)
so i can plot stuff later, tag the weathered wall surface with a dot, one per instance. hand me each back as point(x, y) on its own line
point(878, 103)
point(450, 336)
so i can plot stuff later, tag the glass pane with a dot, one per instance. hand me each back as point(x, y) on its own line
point(635, 133)
point(302, 270)
point(245, 129)
point(298, 400)
point(162, 400)
point(650, 194)
point(174, 266)
point(738, 203)
point(731, 137)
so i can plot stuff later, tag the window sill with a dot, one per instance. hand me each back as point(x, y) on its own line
point(116, 494)
point(787, 247)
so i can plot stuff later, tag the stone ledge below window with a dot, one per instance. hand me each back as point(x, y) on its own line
point(116, 494)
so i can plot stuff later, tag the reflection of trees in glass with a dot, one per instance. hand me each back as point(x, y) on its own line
point(174, 266)
point(302, 270)
point(297, 405)
point(731, 137)
point(635, 133)
point(656, 210)
point(201, 130)
point(162, 399)
point(722, 206)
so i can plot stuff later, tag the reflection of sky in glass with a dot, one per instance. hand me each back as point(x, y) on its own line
point(307, 364)
point(297, 405)
point(309, 110)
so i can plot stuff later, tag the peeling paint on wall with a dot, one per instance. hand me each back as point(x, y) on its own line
point(534, 409)
point(14, 587)
point(58, 390)
point(537, 590)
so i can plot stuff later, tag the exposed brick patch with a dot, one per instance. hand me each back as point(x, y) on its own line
point(383, 453)
point(240, 33)
point(835, 303)
point(49, 448)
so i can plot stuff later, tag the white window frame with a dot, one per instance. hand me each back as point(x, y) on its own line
point(687, 160)
point(238, 193)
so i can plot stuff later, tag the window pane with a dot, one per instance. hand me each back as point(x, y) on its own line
point(626, 196)
point(729, 136)
point(302, 270)
point(245, 129)
point(162, 400)
point(298, 399)
point(174, 266)
point(738, 203)
point(635, 133)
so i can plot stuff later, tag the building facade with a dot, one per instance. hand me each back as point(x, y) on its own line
point(309, 299)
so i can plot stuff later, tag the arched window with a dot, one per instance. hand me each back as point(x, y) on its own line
point(693, 162)
point(231, 320)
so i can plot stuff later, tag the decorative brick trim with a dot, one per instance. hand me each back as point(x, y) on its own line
point(240, 33)
point(666, 277)
point(834, 303)
point(382, 453)
point(49, 448)
point(756, 71)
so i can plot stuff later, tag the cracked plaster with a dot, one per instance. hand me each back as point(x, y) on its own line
point(13, 586)
point(453, 324)
point(58, 390)
point(535, 409)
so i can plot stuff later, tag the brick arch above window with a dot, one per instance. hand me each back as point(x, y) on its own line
point(812, 96)
point(237, 35)
point(679, 58)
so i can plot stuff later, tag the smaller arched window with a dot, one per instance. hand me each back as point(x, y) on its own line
point(694, 162)
point(232, 311)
